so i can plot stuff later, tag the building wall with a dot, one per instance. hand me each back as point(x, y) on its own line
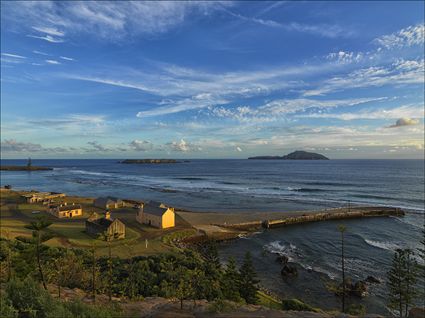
point(117, 229)
point(67, 214)
point(168, 219)
point(152, 220)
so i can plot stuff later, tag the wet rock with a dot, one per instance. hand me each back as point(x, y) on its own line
point(417, 312)
point(289, 271)
point(359, 289)
point(282, 259)
point(372, 280)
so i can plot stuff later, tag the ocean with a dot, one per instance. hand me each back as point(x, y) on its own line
point(245, 186)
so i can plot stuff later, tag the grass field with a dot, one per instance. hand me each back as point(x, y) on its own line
point(140, 239)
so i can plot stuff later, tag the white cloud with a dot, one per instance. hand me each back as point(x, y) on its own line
point(412, 35)
point(13, 146)
point(324, 30)
point(276, 109)
point(52, 62)
point(66, 58)
point(405, 122)
point(13, 55)
point(47, 38)
point(107, 20)
point(345, 57)
point(40, 53)
point(400, 72)
point(50, 31)
point(183, 146)
point(98, 147)
point(383, 113)
point(141, 145)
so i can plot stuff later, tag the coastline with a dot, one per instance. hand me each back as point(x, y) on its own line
point(224, 226)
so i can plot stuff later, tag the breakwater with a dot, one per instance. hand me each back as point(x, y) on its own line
point(334, 214)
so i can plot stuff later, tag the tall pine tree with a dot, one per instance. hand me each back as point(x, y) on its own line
point(401, 281)
point(231, 281)
point(248, 288)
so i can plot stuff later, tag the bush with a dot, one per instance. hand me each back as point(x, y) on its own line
point(26, 299)
point(358, 310)
point(221, 305)
point(295, 304)
point(6, 308)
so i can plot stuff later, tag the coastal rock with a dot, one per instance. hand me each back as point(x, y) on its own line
point(356, 289)
point(283, 259)
point(359, 289)
point(289, 271)
point(372, 280)
point(417, 312)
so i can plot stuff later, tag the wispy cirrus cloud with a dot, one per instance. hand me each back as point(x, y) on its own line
point(280, 108)
point(40, 53)
point(66, 58)
point(323, 30)
point(399, 72)
point(409, 36)
point(415, 111)
point(47, 38)
point(13, 55)
point(107, 20)
point(50, 31)
point(54, 62)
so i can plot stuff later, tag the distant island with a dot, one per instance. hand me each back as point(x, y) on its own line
point(149, 161)
point(24, 168)
point(296, 155)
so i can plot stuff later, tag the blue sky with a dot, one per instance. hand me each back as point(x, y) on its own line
point(212, 79)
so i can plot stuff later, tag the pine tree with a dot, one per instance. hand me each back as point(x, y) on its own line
point(401, 282)
point(38, 230)
point(231, 281)
point(410, 280)
point(248, 287)
point(342, 229)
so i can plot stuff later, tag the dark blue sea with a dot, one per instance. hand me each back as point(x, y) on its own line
point(245, 186)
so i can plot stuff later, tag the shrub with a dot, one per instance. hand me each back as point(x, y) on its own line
point(221, 305)
point(6, 308)
point(358, 310)
point(295, 304)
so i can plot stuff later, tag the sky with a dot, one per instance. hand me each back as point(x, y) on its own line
point(212, 79)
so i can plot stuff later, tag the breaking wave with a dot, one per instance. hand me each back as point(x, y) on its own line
point(389, 246)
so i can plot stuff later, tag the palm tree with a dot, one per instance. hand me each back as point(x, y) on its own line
point(38, 227)
point(342, 228)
